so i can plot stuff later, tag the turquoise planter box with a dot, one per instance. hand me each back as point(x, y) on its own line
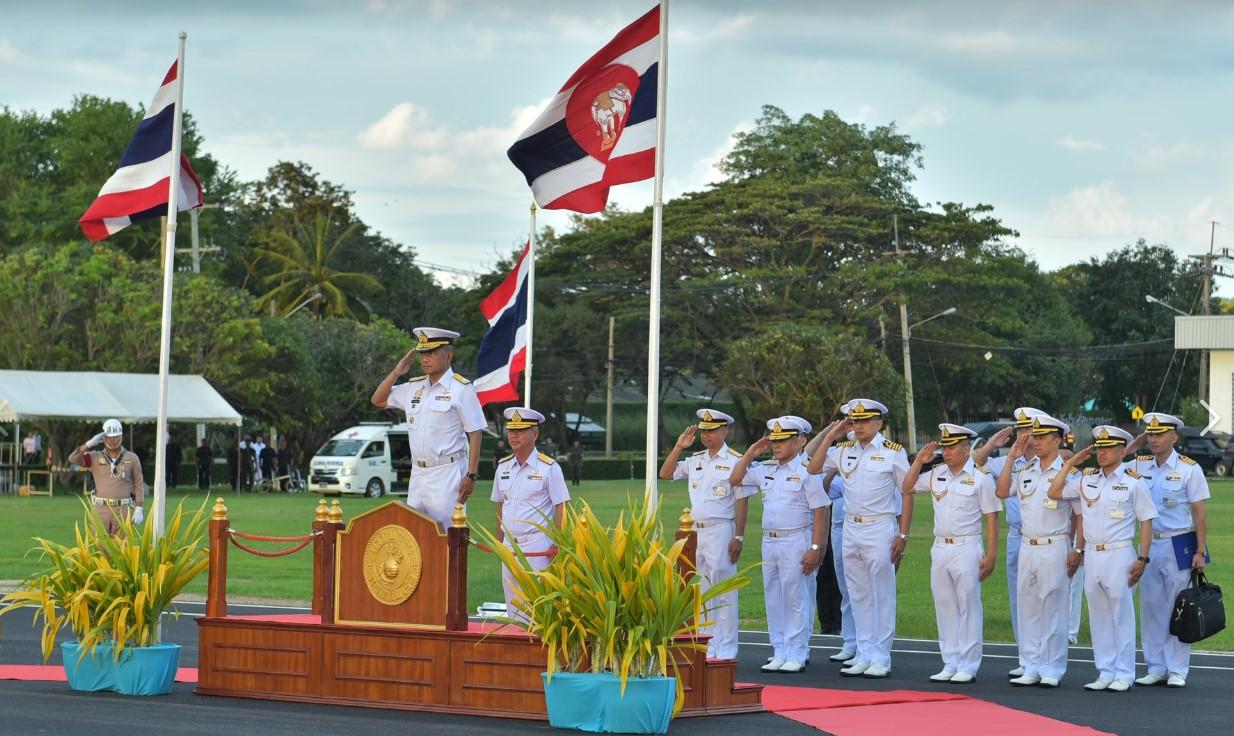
point(590, 701)
point(140, 671)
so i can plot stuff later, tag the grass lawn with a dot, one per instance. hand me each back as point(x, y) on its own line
point(290, 578)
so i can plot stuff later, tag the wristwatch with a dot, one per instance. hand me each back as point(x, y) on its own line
point(474, 476)
point(1079, 550)
point(904, 537)
point(1143, 559)
point(813, 547)
point(739, 538)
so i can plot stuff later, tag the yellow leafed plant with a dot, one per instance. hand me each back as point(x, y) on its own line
point(112, 589)
point(613, 599)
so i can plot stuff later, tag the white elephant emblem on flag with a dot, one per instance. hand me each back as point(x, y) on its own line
point(610, 110)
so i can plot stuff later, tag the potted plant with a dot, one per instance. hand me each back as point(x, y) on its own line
point(111, 591)
point(613, 609)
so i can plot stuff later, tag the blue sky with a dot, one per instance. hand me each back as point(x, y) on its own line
point(1085, 124)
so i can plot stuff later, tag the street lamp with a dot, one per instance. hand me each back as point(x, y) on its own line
point(314, 298)
point(908, 371)
point(1154, 300)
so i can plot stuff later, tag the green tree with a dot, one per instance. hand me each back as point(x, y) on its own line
point(305, 267)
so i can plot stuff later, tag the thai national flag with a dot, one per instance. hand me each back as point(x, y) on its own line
point(600, 129)
point(503, 350)
point(139, 188)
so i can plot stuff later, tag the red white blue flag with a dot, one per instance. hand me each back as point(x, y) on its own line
point(139, 188)
point(600, 128)
point(503, 349)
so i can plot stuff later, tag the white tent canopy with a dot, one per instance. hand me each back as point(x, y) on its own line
point(89, 397)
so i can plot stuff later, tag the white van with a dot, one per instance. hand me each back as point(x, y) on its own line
point(373, 459)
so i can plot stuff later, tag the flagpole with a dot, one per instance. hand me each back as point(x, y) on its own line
point(531, 305)
point(169, 258)
point(657, 230)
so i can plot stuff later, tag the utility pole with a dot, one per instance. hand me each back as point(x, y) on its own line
point(1209, 269)
point(608, 403)
point(908, 361)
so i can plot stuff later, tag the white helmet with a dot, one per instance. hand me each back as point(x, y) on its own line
point(113, 428)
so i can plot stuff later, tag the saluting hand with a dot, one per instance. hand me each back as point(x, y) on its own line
point(926, 453)
point(1135, 444)
point(1018, 447)
point(760, 446)
point(686, 439)
point(404, 365)
point(1000, 437)
point(1079, 457)
point(837, 429)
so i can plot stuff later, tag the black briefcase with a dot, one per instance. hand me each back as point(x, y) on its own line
point(1198, 611)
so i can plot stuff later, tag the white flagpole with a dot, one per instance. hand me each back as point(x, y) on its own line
point(169, 257)
point(657, 229)
point(531, 304)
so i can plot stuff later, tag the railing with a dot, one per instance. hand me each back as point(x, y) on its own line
point(327, 522)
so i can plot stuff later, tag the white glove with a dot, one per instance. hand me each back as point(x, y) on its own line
point(139, 515)
point(94, 441)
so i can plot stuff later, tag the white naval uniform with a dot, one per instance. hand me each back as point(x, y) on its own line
point(713, 504)
point(1111, 505)
point(1173, 487)
point(1011, 510)
point(1044, 588)
point(872, 476)
point(848, 629)
point(439, 416)
point(790, 495)
point(527, 493)
point(961, 501)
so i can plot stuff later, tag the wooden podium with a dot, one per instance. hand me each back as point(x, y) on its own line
point(389, 629)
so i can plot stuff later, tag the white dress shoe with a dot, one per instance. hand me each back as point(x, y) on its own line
point(773, 665)
point(792, 665)
point(1047, 682)
point(855, 669)
point(1150, 679)
point(1176, 680)
point(843, 655)
point(944, 676)
point(1100, 683)
point(1025, 681)
point(1119, 686)
point(876, 672)
point(1073, 640)
point(963, 678)
point(1017, 672)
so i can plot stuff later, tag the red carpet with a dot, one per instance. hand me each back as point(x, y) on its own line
point(896, 712)
point(55, 673)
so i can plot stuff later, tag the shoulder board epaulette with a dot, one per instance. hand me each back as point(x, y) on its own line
point(1186, 459)
point(417, 378)
point(845, 443)
point(982, 469)
point(1132, 473)
point(461, 380)
point(1090, 471)
point(893, 446)
point(733, 452)
point(507, 457)
point(700, 452)
point(1145, 458)
point(1075, 471)
point(546, 459)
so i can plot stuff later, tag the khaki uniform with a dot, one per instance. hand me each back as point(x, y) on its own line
point(118, 484)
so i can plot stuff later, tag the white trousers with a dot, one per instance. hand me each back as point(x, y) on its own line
point(1077, 603)
point(1013, 572)
point(1111, 611)
point(789, 596)
point(1044, 595)
point(1160, 585)
point(434, 491)
point(534, 542)
point(955, 579)
point(871, 579)
point(713, 564)
point(848, 629)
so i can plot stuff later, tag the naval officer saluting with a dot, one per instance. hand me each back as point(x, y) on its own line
point(444, 420)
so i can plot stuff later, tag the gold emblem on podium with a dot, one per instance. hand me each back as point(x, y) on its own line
point(392, 564)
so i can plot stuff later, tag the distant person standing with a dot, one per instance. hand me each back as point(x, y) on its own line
point(576, 463)
point(444, 420)
point(248, 463)
point(119, 487)
point(205, 460)
point(175, 455)
point(259, 447)
point(285, 458)
point(30, 449)
point(267, 458)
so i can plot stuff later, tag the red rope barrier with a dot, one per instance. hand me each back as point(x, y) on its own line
point(264, 538)
point(232, 534)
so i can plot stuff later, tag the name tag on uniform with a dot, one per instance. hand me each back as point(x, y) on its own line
point(698, 468)
point(793, 479)
point(877, 458)
point(505, 476)
point(1121, 487)
point(720, 490)
point(535, 476)
point(442, 397)
point(1050, 503)
point(1118, 514)
point(723, 467)
point(1173, 477)
point(967, 482)
point(1171, 501)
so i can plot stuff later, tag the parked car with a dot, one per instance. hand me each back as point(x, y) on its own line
point(1212, 452)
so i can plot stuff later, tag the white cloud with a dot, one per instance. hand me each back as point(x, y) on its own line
point(1098, 210)
point(1156, 157)
point(7, 52)
point(724, 30)
point(982, 43)
point(706, 170)
point(404, 125)
point(928, 116)
point(1080, 145)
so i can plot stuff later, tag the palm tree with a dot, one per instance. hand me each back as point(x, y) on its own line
point(306, 272)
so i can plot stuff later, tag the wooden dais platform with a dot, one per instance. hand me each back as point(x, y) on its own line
point(389, 630)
